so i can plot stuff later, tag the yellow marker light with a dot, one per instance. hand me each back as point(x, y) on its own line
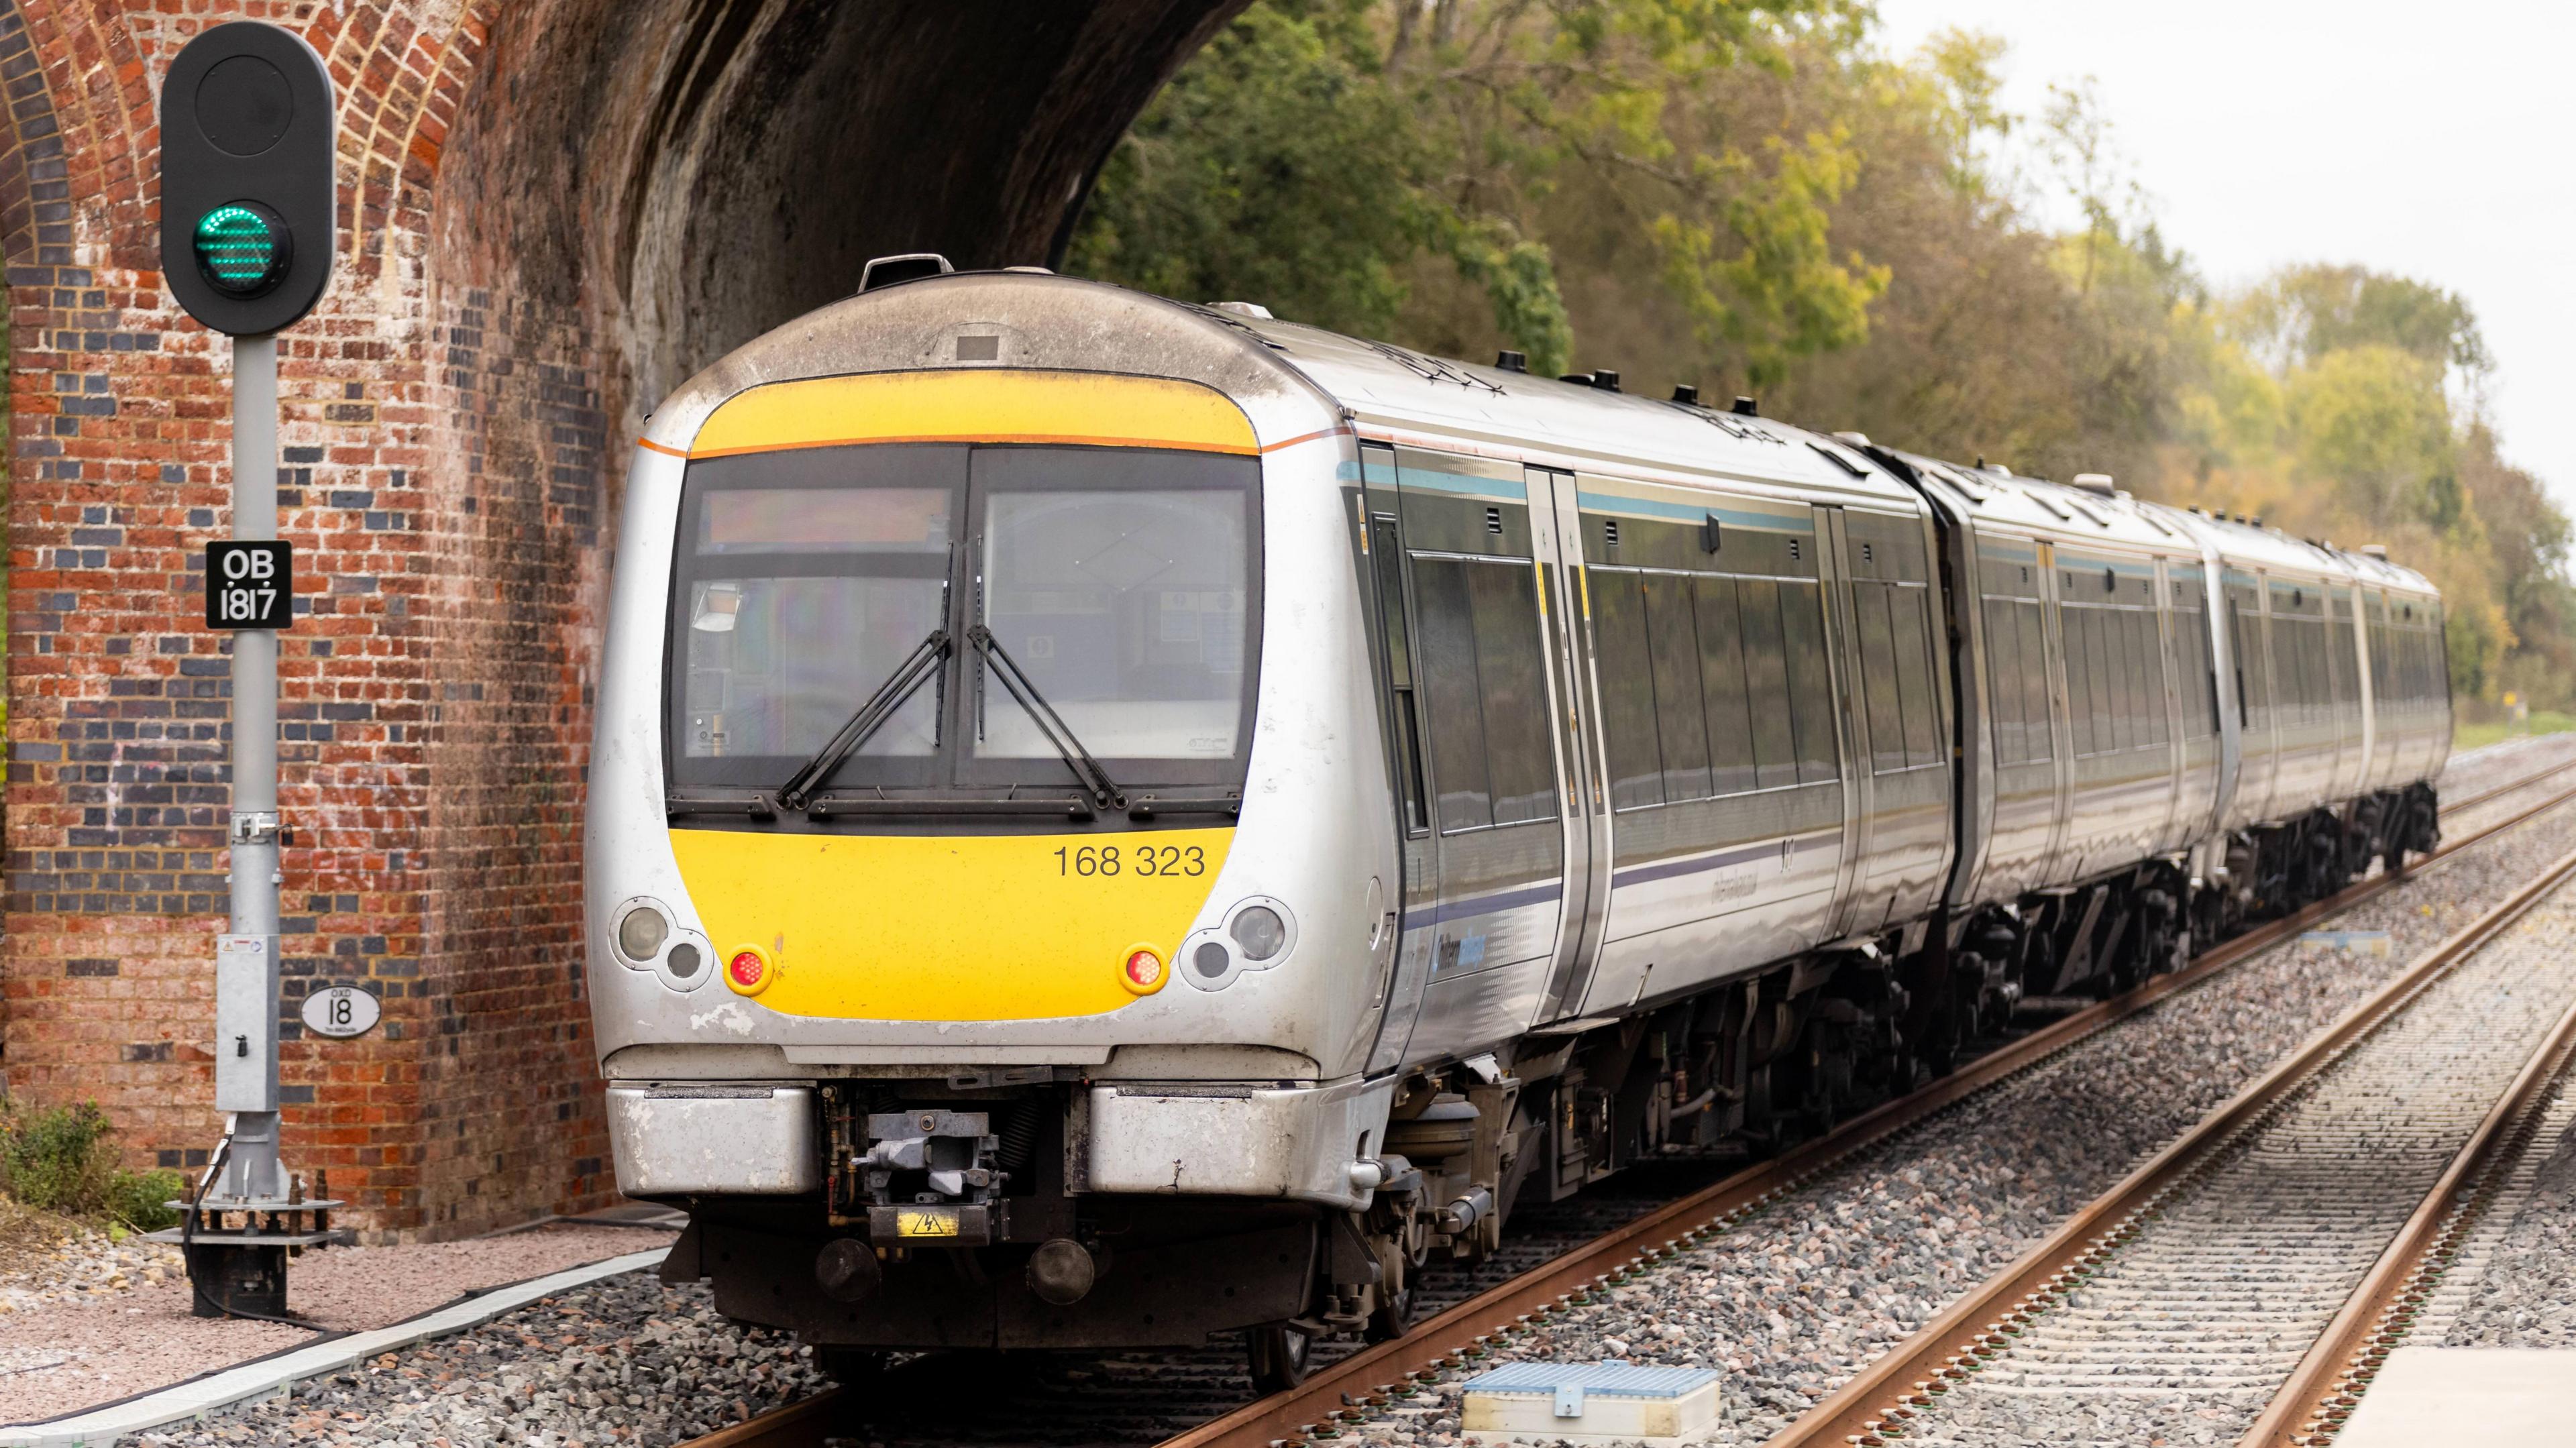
point(1143, 972)
point(747, 970)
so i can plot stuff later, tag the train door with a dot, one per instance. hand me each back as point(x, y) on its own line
point(2258, 753)
point(1417, 895)
point(1557, 532)
point(2061, 698)
point(2351, 732)
point(1850, 728)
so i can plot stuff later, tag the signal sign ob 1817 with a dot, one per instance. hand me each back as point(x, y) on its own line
point(250, 585)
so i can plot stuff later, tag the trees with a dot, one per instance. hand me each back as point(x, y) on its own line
point(1748, 195)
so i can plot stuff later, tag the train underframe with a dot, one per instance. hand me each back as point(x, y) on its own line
point(1741, 1070)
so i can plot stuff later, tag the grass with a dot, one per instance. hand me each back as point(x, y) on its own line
point(2467, 736)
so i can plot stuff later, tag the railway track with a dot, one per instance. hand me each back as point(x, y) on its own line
point(1555, 1256)
point(2194, 1284)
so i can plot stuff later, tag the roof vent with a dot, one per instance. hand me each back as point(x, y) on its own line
point(1744, 408)
point(1605, 379)
point(2375, 550)
point(2255, 521)
point(1031, 271)
point(912, 266)
point(1254, 310)
point(2098, 484)
point(1580, 378)
point(1856, 439)
point(1686, 393)
point(1508, 360)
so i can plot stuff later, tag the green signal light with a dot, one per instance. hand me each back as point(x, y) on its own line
point(242, 248)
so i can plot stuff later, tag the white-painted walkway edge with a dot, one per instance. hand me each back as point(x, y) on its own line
point(100, 1427)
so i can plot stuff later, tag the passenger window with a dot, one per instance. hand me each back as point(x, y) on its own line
point(2038, 738)
point(2079, 696)
point(1914, 673)
point(2003, 680)
point(1521, 761)
point(2151, 654)
point(1766, 679)
point(1627, 689)
point(1399, 670)
point(1681, 718)
point(1721, 665)
point(1879, 682)
point(1452, 694)
point(1811, 687)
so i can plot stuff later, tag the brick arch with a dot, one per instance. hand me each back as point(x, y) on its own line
point(31, 158)
point(528, 262)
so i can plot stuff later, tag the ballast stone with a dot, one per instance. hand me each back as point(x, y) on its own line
point(1592, 1403)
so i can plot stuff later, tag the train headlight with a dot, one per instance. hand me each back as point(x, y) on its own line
point(1258, 932)
point(1143, 972)
point(748, 970)
point(641, 931)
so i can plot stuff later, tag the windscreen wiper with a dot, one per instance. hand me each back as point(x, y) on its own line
point(920, 664)
point(1104, 790)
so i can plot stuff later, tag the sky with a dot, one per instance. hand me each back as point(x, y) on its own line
point(2428, 141)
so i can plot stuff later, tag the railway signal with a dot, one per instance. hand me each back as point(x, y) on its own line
point(248, 202)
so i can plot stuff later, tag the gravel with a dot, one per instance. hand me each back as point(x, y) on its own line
point(1794, 1299)
point(2526, 1296)
point(2187, 1330)
point(94, 1347)
point(1787, 1304)
point(88, 1270)
point(624, 1360)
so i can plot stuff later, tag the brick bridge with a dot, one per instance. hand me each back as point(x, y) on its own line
point(552, 211)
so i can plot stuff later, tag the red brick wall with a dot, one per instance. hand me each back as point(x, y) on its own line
point(551, 211)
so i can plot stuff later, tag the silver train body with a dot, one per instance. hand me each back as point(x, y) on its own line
point(1318, 797)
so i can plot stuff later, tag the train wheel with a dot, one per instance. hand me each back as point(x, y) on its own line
point(1276, 1356)
point(1392, 1317)
point(851, 1367)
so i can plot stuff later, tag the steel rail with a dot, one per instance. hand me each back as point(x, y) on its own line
point(804, 1423)
point(2321, 1392)
point(1979, 1325)
point(1464, 1329)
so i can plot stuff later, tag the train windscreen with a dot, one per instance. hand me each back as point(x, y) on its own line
point(981, 596)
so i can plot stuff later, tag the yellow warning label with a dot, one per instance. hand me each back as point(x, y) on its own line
point(933, 1222)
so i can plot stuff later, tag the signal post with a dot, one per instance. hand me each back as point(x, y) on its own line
point(248, 229)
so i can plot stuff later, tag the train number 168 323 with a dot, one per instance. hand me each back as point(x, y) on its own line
point(1140, 860)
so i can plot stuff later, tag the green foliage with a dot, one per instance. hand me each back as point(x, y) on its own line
point(140, 1200)
point(1749, 195)
point(2304, 313)
point(1320, 155)
point(64, 1159)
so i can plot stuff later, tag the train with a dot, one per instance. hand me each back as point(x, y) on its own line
point(1115, 821)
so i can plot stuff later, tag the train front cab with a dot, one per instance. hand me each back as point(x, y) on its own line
point(982, 825)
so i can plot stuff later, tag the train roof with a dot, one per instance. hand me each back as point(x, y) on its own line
point(2050, 510)
point(1282, 373)
point(1577, 425)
